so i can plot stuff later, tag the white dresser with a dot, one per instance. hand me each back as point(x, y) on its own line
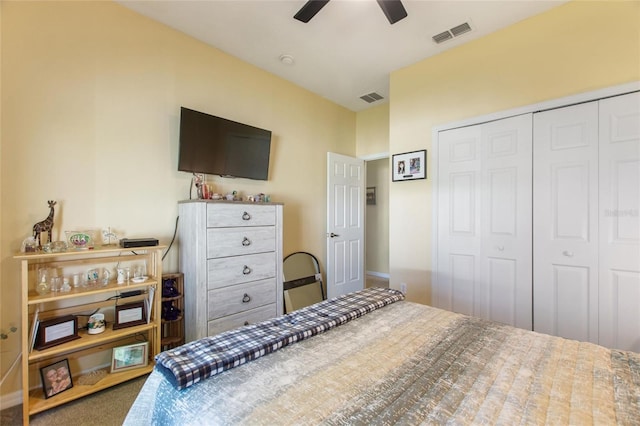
point(231, 257)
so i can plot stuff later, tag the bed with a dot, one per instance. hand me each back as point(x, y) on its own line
point(373, 358)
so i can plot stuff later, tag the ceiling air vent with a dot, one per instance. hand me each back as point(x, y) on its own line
point(451, 33)
point(443, 36)
point(371, 97)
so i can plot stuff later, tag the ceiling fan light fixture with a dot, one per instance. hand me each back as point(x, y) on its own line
point(286, 59)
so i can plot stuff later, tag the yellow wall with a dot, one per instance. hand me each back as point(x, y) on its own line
point(377, 217)
point(90, 115)
point(372, 131)
point(372, 143)
point(575, 48)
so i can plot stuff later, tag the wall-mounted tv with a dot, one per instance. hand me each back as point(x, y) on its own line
point(217, 146)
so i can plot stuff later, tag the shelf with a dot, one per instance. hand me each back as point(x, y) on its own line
point(97, 251)
point(164, 321)
point(171, 340)
point(169, 299)
point(87, 350)
point(35, 298)
point(88, 340)
point(38, 403)
point(172, 331)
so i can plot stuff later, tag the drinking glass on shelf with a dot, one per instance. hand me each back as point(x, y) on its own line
point(42, 286)
point(56, 284)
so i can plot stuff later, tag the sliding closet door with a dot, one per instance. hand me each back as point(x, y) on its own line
point(484, 221)
point(620, 222)
point(565, 223)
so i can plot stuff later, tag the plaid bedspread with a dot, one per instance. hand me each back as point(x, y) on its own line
point(200, 359)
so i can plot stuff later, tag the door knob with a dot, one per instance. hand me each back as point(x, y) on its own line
point(568, 253)
point(332, 235)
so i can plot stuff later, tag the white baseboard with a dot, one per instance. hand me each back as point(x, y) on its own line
point(10, 400)
point(378, 274)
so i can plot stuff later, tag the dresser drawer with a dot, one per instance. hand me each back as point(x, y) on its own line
point(253, 316)
point(224, 215)
point(223, 242)
point(226, 271)
point(241, 297)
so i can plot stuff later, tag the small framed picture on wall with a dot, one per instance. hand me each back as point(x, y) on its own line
point(371, 195)
point(409, 166)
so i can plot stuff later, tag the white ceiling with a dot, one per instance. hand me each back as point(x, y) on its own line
point(348, 49)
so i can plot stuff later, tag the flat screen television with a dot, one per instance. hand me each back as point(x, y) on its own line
point(217, 146)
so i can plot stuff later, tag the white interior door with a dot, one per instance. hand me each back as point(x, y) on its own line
point(620, 222)
point(484, 221)
point(346, 180)
point(565, 222)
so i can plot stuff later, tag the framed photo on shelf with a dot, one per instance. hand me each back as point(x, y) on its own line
point(129, 315)
point(56, 331)
point(130, 357)
point(409, 166)
point(56, 378)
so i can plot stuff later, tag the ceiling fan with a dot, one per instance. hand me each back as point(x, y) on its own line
point(393, 10)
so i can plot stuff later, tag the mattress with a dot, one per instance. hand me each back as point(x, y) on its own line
point(406, 363)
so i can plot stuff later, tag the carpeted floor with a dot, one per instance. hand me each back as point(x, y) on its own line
point(107, 407)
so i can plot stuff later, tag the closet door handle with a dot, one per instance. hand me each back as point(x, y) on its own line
point(246, 298)
point(567, 253)
point(246, 242)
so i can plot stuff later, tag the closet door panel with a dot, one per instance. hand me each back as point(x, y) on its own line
point(620, 222)
point(506, 221)
point(458, 220)
point(565, 242)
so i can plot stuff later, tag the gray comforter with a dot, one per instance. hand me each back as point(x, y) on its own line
point(409, 364)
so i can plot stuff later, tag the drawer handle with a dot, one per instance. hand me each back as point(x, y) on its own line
point(246, 298)
point(246, 270)
point(246, 216)
point(246, 323)
point(246, 242)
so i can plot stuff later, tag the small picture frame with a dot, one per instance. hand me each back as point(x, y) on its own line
point(56, 378)
point(129, 357)
point(56, 331)
point(371, 195)
point(409, 166)
point(130, 315)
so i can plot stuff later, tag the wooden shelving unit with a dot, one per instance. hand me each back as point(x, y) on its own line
point(173, 330)
point(79, 302)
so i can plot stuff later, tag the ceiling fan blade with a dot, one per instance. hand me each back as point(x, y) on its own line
point(393, 10)
point(309, 10)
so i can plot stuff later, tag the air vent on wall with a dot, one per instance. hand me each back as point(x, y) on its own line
point(451, 33)
point(371, 97)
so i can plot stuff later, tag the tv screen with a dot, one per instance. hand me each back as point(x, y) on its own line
point(217, 146)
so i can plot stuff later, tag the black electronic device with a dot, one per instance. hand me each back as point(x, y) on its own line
point(217, 146)
point(138, 242)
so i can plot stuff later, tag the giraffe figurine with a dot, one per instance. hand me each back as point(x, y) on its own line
point(45, 225)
